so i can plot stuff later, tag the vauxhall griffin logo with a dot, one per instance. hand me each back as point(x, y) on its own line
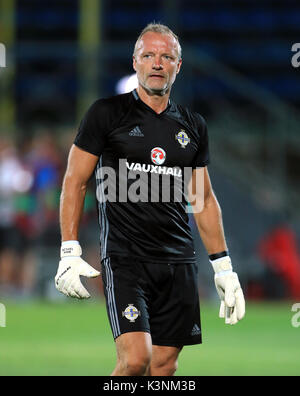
point(2, 55)
point(158, 155)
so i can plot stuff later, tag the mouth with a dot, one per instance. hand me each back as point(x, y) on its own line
point(156, 76)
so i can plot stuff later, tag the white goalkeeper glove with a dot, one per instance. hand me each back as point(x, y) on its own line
point(227, 283)
point(71, 266)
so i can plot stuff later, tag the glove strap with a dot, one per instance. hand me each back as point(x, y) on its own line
point(221, 264)
point(70, 249)
point(215, 256)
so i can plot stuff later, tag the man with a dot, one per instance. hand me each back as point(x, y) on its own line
point(147, 253)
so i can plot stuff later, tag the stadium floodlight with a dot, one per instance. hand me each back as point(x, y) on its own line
point(127, 84)
point(22, 181)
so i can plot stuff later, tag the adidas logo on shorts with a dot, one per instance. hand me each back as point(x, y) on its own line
point(136, 132)
point(196, 330)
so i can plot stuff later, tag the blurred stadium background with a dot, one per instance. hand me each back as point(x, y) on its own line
point(237, 72)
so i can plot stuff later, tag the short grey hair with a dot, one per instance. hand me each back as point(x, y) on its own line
point(158, 28)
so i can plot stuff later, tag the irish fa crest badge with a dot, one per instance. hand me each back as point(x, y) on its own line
point(131, 313)
point(182, 138)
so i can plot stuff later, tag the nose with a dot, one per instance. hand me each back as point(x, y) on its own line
point(157, 64)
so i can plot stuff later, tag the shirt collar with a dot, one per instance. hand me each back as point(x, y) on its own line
point(137, 98)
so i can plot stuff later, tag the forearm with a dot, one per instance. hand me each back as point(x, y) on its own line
point(210, 226)
point(71, 265)
point(71, 208)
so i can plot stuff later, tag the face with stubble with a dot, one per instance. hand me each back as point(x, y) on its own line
point(156, 62)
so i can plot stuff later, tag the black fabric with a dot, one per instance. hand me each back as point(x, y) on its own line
point(159, 146)
point(158, 299)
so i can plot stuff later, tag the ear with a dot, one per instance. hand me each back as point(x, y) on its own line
point(134, 62)
point(179, 66)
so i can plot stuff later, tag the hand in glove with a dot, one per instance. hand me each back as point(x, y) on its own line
point(227, 283)
point(71, 267)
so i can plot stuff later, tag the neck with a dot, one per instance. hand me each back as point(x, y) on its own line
point(158, 103)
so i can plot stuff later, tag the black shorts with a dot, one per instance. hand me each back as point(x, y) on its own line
point(157, 298)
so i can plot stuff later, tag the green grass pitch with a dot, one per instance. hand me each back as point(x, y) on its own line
point(74, 338)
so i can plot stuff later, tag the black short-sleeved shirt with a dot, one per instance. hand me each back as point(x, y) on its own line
point(148, 153)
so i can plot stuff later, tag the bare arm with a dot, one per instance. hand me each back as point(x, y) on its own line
point(210, 226)
point(209, 220)
point(81, 165)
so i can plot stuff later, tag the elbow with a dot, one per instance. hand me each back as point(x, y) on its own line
point(210, 200)
point(71, 184)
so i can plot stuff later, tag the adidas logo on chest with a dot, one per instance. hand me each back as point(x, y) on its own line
point(136, 132)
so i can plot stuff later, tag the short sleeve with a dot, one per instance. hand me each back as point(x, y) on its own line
point(93, 129)
point(202, 156)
